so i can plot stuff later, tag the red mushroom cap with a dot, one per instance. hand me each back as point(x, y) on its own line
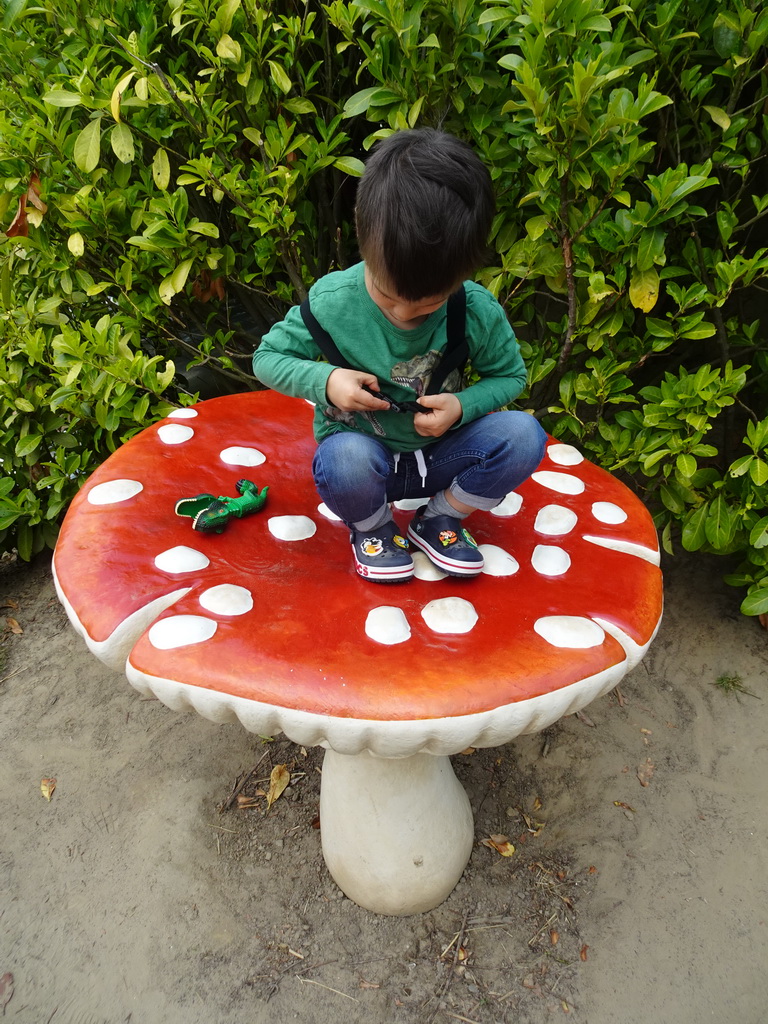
point(244, 614)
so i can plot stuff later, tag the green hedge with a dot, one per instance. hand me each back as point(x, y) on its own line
point(175, 176)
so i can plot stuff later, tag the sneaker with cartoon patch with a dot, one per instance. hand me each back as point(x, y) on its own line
point(382, 555)
point(446, 543)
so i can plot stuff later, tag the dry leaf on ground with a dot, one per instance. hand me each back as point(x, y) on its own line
point(14, 626)
point(501, 844)
point(6, 990)
point(620, 803)
point(645, 772)
point(278, 780)
point(47, 787)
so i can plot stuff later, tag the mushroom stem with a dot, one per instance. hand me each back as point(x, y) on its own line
point(396, 833)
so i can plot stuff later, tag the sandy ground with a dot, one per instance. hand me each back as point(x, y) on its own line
point(143, 893)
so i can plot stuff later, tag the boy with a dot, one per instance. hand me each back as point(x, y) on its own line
point(423, 213)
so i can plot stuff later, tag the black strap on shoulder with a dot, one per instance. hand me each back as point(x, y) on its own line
point(454, 357)
point(322, 338)
point(456, 350)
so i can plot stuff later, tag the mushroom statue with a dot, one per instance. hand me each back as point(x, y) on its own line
point(267, 622)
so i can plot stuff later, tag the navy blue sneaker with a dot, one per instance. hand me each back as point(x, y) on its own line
point(447, 543)
point(382, 555)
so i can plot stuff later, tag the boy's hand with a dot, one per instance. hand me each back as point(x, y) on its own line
point(446, 410)
point(344, 389)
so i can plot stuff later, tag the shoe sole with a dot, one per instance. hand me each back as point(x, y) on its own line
point(381, 574)
point(450, 566)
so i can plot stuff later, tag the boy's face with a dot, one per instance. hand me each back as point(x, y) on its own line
point(403, 313)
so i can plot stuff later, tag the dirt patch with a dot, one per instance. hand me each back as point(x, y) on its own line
point(145, 891)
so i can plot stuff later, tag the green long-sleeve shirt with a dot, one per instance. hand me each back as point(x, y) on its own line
point(286, 360)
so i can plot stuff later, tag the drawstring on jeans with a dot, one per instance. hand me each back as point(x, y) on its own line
point(421, 465)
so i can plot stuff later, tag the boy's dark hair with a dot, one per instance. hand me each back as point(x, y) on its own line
point(423, 213)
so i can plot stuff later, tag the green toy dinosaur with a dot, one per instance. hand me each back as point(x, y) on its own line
point(211, 514)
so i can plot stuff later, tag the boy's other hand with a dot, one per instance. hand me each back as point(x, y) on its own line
point(446, 410)
point(344, 389)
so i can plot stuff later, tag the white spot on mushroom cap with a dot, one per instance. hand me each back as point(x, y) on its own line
point(181, 631)
point(569, 631)
point(497, 561)
point(562, 482)
point(238, 456)
point(291, 527)
point(627, 547)
point(181, 559)
point(387, 625)
point(607, 512)
point(565, 454)
point(549, 560)
point(112, 491)
point(450, 615)
point(425, 569)
point(510, 506)
point(555, 520)
point(323, 509)
point(174, 433)
point(227, 599)
point(182, 414)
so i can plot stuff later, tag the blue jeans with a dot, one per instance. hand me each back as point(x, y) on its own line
point(480, 463)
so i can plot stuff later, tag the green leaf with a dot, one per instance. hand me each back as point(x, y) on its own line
point(374, 96)
point(226, 13)
point(694, 535)
point(671, 499)
point(229, 49)
point(350, 165)
point(719, 116)
point(24, 539)
point(699, 331)
point(536, 226)
point(13, 9)
point(88, 146)
point(121, 140)
point(650, 249)
point(721, 524)
point(75, 244)
point(175, 281)
point(727, 34)
point(161, 169)
point(741, 466)
point(755, 603)
point(644, 289)
point(758, 536)
point(491, 14)
point(686, 465)
point(27, 445)
point(279, 77)
point(758, 470)
point(8, 518)
point(203, 227)
point(6, 292)
point(62, 98)
point(300, 106)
